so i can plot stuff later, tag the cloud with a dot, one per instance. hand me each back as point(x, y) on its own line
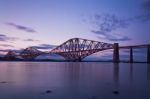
point(146, 6)
point(4, 50)
point(146, 10)
point(112, 36)
point(144, 14)
point(31, 40)
point(106, 24)
point(20, 27)
point(14, 50)
point(6, 45)
point(6, 38)
point(115, 37)
point(44, 46)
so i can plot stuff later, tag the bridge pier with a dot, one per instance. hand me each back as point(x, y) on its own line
point(116, 53)
point(131, 55)
point(148, 54)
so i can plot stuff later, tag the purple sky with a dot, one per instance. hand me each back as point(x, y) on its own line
point(46, 23)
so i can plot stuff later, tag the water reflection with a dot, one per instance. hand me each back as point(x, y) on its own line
point(74, 80)
point(72, 75)
point(131, 72)
point(148, 73)
point(116, 75)
point(73, 71)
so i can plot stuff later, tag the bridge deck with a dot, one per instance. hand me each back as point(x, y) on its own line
point(135, 46)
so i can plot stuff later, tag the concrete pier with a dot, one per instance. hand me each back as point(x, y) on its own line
point(116, 53)
point(148, 54)
point(131, 55)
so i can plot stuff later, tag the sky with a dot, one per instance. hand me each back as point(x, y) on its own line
point(48, 23)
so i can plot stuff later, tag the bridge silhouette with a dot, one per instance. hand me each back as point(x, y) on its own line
point(76, 49)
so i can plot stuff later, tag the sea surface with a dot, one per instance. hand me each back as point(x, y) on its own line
point(74, 80)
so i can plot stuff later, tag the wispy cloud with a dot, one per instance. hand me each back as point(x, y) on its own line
point(144, 15)
point(106, 24)
point(44, 46)
point(4, 50)
point(6, 38)
point(6, 45)
point(21, 27)
point(31, 40)
point(114, 37)
point(14, 50)
point(146, 9)
point(146, 5)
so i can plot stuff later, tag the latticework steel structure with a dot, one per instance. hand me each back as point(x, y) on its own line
point(10, 55)
point(76, 49)
point(30, 53)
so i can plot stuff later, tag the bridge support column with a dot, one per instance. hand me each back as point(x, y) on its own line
point(131, 55)
point(116, 53)
point(148, 54)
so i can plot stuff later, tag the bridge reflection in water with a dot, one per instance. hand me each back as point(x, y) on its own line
point(76, 49)
point(74, 80)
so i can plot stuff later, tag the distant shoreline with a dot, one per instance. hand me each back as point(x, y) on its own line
point(64, 61)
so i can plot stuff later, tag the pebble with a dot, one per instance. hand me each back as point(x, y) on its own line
point(93, 97)
point(115, 92)
point(48, 91)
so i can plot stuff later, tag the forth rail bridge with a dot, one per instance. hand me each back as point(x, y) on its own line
point(76, 49)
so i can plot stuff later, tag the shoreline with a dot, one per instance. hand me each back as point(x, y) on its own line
point(67, 61)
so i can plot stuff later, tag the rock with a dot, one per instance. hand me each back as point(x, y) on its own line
point(93, 97)
point(48, 91)
point(115, 92)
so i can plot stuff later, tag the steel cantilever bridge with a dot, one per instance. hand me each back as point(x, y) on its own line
point(76, 49)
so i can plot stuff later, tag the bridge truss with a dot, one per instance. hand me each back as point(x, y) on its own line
point(76, 49)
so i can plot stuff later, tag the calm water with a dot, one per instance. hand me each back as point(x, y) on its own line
point(93, 80)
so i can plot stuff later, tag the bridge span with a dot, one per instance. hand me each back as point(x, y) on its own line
point(76, 49)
